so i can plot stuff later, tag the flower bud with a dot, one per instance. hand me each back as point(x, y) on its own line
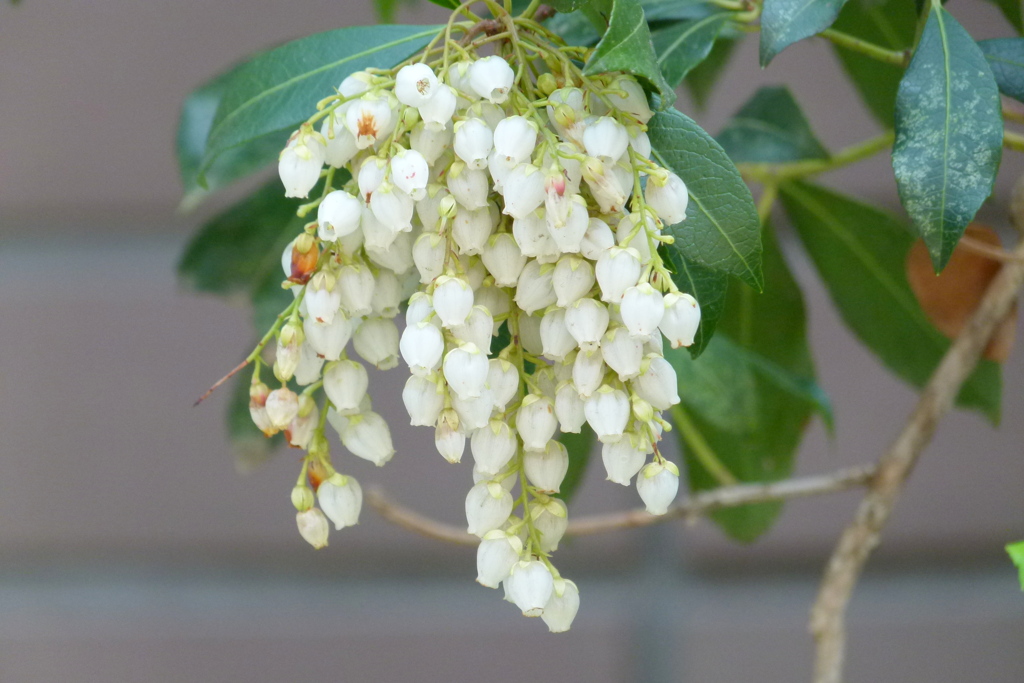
point(622, 352)
point(530, 586)
point(561, 609)
point(355, 284)
point(465, 370)
point(668, 197)
point(546, 469)
point(415, 84)
point(495, 556)
point(515, 138)
point(473, 142)
point(341, 499)
point(657, 384)
point(376, 342)
point(493, 446)
point(503, 380)
point(607, 412)
point(642, 309)
point(491, 78)
point(302, 497)
point(587, 321)
point(471, 228)
point(287, 354)
point(588, 372)
point(313, 527)
point(450, 443)
point(682, 318)
point(488, 505)
point(658, 484)
point(555, 336)
point(616, 271)
point(534, 291)
point(622, 460)
point(338, 215)
point(536, 422)
point(453, 300)
point(367, 437)
point(503, 259)
point(569, 408)
point(282, 406)
point(328, 339)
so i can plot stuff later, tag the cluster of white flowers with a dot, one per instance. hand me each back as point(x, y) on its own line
point(498, 209)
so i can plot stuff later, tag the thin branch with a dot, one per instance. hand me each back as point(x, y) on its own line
point(218, 383)
point(689, 509)
point(1014, 141)
point(768, 173)
point(900, 58)
point(862, 535)
point(983, 248)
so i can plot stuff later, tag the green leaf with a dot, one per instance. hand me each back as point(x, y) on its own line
point(770, 128)
point(702, 78)
point(1012, 11)
point(683, 45)
point(579, 447)
point(784, 22)
point(949, 134)
point(1006, 59)
point(626, 46)
point(707, 286)
point(279, 89)
point(721, 230)
point(747, 401)
point(889, 23)
point(1016, 552)
point(860, 252)
point(673, 10)
point(566, 6)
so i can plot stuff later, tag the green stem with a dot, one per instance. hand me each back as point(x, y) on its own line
point(768, 173)
point(898, 58)
point(700, 449)
point(769, 193)
point(1014, 141)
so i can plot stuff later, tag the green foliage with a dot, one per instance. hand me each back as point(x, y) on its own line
point(890, 24)
point(566, 6)
point(746, 402)
point(860, 253)
point(579, 447)
point(949, 134)
point(1016, 552)
point(626, 46)
point(704, 76)
point(784, 22)
point(683, 45)
point(277, 90)
point(721, 230)
point(1012, 11)
point(770, 128)
point(1006, 59)
point(707, 286)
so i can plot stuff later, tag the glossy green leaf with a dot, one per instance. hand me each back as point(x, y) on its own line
point(1012, 11)
point(949, 134)
point(721, 230)
point(683, 45)
point(770, 128)
point(1006, 59)
point(580, 447)
point(584, 28)
point(748, 399)
point(860, 252)
point(1016, 552)
point(784, 22)
point(673, 10)
point(890, 24)
point(701, 80)
point(707, 286)
point(626, 46)
point(279, 89)
point(565, 6)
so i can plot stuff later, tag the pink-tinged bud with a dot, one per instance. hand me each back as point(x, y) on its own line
point(534, 291)
point(495, 556)
point(341, 499)
point(422, 345)
point(422, 401)
point(415, 84)
point(561, 609)
point(367, 437)
point(546, 469)
point(503, 380)
point(438, 112)
point(345, 383)
point(587, 321)
point(369, 120)
point(473, 142)
point(658, 484)
point(450, 443)
point(657, 383)
point(524, 190)
point(313, 527)
point(622, 460)
point(682, 318)
point(338, 215)
point(503, 259)
point(465, 370)
point(409, 173)
point(493, 446)
point(328, 339)
point(668, 197)
point(622, 352)
point(607, 413)
point(341, 144)
point(536, 421)
point(491, 78)
point(530, 586)
point(300, 162)
point(258, 393)
point(488, 505)
point(569, 408)
point(588, 372)
point(282, 406)
point(515, 138)
point(453, 300)
point(376, 342)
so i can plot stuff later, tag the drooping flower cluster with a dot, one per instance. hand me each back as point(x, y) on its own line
point(520, 220)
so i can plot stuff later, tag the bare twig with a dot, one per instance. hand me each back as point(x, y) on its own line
point(216, 385)
point(861, 536)
point(691, 508)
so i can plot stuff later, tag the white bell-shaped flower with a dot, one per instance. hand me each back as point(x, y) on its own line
point(387, 294)
point(642, 309)
point(369, 119)
point(488, 505)
point(341, 499)
point(497, 301)
point(458, 76)
point(393, 208)
point(536, 421)
point(607, 412)
point(658, 484)
point(530, 586)
point(345, 383)
point(428, 253)
point(546, 469)
point(328, 339)
point(503, 259)
point(535, 291)
point(422, 401)
point(282, 406)
point(609, 191)
point(529, 334)
point(532, 235)
point(338, 215)
point(465, 370)
point(640, 143)
point(310, 364)
point(657, 383)
point(597, 239)
point(503, 381)
point(367, 437)
point(356, 84)
point(378, 236)
point(356, 283)
point(302, 428)
point(622, 352)
point(616, 271)
point(477, 329)
point(682, 318)
point(322, 300)
point(468, 186)
point(569, 408)
point(668, 197)
point(515, 138)
point(372, 172)
point(420, 308)
point(397, 257)
point(524, 190)
point(550, 519)
point(450, 443)
point(491, 78)
point(567, 119)
point(588, 372)
point(572, 279)
point(341, 144)
point(495, 555)
point(471, 228)
point(622, 460)
point(555, 336)
point(606, 139)
point(630, 98)
point(587, 320)
point(493, 446)
point(415, 84)
point(500, 167)
point(376, 342)
point(438, 111)
point(474, 413)
point(561, 609)
point(300, 163)
point(430, 142)
point(422, 346)
point(409, 173)
point(473, 142)
point(568, 235)
point(286, 357)
point(453, 300)
point(313, 527)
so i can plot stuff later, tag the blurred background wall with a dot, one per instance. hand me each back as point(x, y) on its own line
point(132, 550)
